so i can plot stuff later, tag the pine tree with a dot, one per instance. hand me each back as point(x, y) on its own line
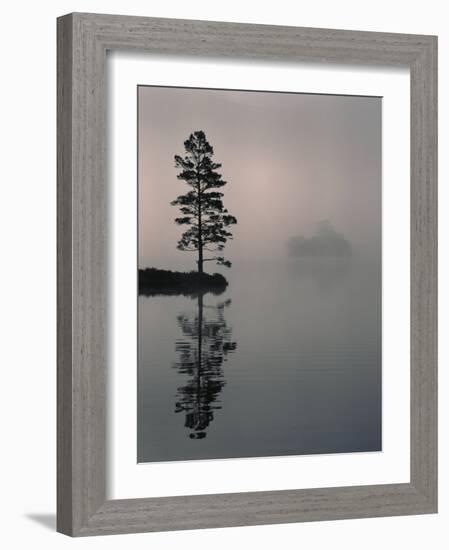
point(202, 206)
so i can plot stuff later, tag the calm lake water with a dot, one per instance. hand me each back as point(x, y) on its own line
point(286, 361)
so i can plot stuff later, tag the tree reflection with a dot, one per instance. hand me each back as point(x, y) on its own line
point(202, 352)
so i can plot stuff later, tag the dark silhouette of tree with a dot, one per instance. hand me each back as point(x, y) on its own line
point(202, 206)
point(202, 353)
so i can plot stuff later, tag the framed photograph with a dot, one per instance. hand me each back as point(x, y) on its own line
point(247, 274)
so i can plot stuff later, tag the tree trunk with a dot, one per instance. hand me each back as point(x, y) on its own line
point(200, 233)
point(200, 259)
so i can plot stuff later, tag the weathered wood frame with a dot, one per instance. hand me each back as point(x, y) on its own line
point(83, 40)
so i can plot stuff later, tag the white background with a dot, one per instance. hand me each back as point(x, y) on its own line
point(392, 465)
point(27, 304)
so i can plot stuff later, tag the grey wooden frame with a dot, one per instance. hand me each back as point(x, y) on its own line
point(83, 40)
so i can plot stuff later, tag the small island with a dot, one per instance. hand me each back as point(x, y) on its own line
point(154, 282)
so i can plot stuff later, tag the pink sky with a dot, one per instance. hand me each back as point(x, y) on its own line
point(291, 160)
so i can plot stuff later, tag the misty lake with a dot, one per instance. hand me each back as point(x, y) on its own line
point(286, 361)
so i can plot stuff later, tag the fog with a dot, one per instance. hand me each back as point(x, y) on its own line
point(290, 160)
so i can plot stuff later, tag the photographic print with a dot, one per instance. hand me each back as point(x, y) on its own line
point(259, 274)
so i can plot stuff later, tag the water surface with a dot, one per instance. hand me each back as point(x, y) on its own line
point(286, 361)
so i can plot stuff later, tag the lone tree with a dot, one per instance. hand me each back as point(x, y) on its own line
point(202, 206)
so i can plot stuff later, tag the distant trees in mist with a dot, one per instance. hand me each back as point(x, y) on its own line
point(326, 242)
